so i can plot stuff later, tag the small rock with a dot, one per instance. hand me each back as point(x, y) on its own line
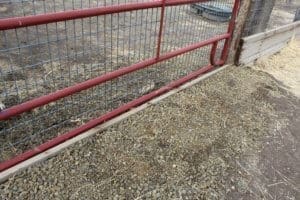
point(3, 9)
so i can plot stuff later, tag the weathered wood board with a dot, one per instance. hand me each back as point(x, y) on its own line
point(266, 43)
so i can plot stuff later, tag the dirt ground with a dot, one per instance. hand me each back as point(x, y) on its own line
point(233, 136)
point(284, 67)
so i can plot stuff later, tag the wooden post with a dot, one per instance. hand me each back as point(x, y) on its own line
point(239, 29)
point(259, 16)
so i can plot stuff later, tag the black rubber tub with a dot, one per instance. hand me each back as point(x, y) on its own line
point(213, 11)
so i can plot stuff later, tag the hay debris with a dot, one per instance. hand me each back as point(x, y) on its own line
point(284, 66)
point(184, 147)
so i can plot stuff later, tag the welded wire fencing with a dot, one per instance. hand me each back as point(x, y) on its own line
point(58, 72)
point(269, 14)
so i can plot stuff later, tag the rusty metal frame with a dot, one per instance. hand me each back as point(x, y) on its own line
point(13, 23)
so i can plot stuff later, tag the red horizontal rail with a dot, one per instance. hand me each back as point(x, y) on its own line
point(43, 100)
point(95, 122)
point(18, 22)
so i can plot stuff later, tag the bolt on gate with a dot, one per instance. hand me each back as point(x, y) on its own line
point(68, 66)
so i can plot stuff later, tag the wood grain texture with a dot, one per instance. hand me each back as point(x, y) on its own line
point(267, 43)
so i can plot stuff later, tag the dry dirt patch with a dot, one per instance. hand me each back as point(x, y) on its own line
point(274, 173)
point(284, 66)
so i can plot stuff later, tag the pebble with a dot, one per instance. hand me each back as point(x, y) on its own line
point(3, 9)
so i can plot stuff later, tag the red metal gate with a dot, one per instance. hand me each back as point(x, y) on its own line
point(123, 54)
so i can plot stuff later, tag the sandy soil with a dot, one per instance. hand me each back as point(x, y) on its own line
point(284, 66)
point(233, 136)
point(276, 171)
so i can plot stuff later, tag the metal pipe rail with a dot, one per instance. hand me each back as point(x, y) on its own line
point(18, 22)
point(40, 101)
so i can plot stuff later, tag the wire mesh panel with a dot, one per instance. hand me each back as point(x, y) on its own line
point(260, 12)
point(269, 14)
point(38, 60)
point(14, 8)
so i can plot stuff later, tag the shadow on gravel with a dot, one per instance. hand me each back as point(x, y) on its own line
point(274, 172)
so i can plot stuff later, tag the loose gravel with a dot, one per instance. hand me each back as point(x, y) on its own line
point(186, 147)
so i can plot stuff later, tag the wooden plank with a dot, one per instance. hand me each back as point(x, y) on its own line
point(261, 46)
point(278, 37)
point(267, 43)
point(297, 32)
point(269, 52)
point(55, 150)
point(272, 32)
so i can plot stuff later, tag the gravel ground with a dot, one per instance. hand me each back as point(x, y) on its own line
point(284, 66)
point(198, 144)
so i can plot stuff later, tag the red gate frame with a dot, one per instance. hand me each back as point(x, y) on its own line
point(18, 22)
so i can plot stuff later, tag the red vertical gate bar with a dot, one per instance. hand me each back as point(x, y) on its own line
point(162, 17)
point(213, 53)
point(95, 122)
point(85, 85)
point(43, 100)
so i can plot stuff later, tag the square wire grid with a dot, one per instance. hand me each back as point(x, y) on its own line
point(41, 59)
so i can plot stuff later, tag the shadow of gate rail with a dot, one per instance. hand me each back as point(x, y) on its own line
point(68, 67)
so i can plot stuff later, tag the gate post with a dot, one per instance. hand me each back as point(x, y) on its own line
point(259, 16)
point(239, 29)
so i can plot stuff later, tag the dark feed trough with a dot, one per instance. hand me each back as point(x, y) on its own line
point(212, 11)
